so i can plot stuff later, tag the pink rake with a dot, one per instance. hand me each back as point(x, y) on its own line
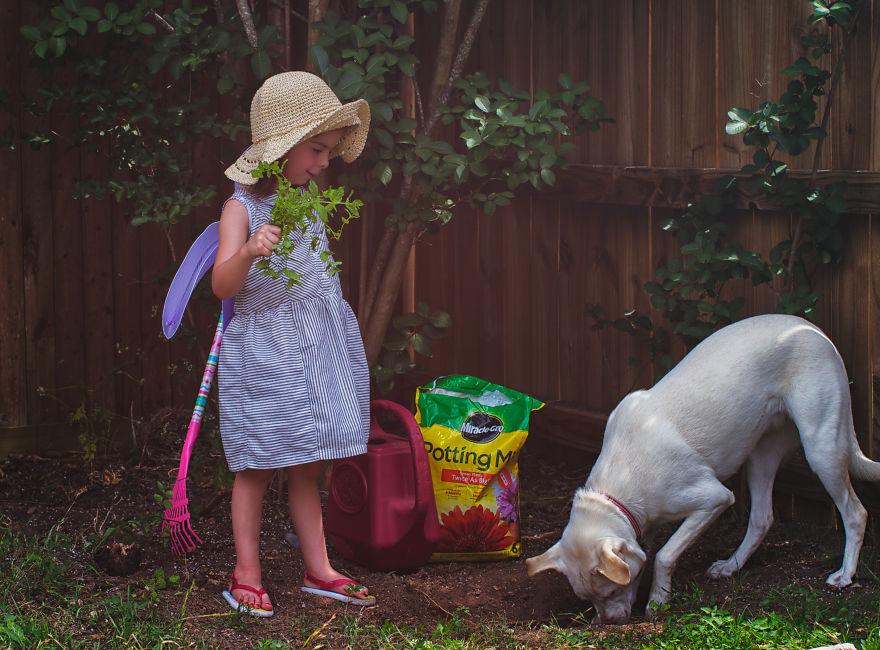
point(176, 518)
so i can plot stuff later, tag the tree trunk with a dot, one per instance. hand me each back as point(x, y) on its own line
point(389, 288)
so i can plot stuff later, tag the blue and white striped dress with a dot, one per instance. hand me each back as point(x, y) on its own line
point(293, 378)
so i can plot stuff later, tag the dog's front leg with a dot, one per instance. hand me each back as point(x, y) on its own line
point(713, 500)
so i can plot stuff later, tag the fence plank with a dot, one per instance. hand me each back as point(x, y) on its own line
point(851, 306)
point(69, 263)
point(13, 363)
point(606, 45)
point(97, 270)
point(757, 41)
point(469, 287)
point(38, 261)
point(874, 334)
point(155, 263)
point(513, 238)
point(577, 369)
point(437, 277)
point(127, 314)
point(544, 295)
point(850, 124)
point(874, 107)
point(683, 103)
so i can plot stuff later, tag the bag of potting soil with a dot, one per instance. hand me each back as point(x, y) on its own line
point(473, 431)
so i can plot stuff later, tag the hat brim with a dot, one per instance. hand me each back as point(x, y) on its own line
point(354, 115)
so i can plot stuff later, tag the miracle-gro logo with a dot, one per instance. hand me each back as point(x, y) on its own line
point(481, 428)
point(462, 456)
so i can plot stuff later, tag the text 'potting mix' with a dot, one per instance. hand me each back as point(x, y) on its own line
point(473, 431)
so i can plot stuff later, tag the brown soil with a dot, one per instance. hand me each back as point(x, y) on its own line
point(37, 494)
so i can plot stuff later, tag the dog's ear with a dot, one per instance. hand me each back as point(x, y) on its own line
point(612, 564)
point(547, 560)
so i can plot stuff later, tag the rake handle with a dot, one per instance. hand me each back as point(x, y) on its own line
point(195, 423)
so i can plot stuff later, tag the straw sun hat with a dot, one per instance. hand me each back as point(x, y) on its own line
point(292, 107)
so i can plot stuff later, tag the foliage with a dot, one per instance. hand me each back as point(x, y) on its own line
point(414, 330)
point(494, 141)
point(502, 142)
point(93, 422)
point(689, 291)
point(295, 210)
point(144, 94)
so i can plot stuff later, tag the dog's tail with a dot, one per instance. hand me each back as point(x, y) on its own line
point(860, 465)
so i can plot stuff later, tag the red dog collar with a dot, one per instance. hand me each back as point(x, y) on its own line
point(627, 514)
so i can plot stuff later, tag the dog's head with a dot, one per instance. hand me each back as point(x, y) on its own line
point(600, 562)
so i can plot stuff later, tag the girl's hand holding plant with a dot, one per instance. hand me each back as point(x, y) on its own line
point(295, 208)
point(262, 242)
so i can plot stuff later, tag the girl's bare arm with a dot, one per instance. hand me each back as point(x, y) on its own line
point(237, 252)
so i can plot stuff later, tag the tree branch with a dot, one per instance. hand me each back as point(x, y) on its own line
point(247, 20)
point(464, 51)
point(164, 24)
point(391, 281)
point(445, 53)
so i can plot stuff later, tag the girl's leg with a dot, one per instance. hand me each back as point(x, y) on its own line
point(305, 513)
point(248, 490)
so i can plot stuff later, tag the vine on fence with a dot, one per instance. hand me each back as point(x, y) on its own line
point(688, 291)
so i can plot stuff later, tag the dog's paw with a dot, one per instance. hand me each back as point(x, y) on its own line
point(722, 569)
point(839, 580)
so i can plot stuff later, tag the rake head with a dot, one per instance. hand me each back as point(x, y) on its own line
point(177, 520)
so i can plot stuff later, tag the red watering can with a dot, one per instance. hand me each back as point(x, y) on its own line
point(380, 507)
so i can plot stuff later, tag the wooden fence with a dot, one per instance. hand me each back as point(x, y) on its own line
point(79, 292)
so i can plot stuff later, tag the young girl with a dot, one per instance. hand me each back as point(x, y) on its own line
point(293, 378)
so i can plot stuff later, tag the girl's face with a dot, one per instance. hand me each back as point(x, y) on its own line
point(310, 157)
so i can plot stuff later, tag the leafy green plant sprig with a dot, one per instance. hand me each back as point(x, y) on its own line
point(295, 210)
point(689, 291)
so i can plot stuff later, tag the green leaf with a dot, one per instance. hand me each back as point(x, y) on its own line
point(79, 25)
point(60, 13)
point(421, 344)
point(399, 11)
point(225, 84)
point(734, 128)
point(548, 176)
point(319, 56)
point(90, 13)
point(146, 28)
point(440, 320)
point(30, 32)
point(385, 175)
point(483, 103)
point(59, 45)
point(111, 10)
point(261, 64)
point(407, 321)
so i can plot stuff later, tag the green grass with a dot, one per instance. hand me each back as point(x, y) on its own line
point(48, 600)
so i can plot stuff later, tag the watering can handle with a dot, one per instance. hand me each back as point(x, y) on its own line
point(421, 468)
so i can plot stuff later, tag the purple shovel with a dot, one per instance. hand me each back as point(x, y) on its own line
point(197, 261)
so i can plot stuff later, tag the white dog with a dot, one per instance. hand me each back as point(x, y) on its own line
point(744, 395)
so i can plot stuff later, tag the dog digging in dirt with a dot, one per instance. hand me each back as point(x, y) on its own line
point(744, 395)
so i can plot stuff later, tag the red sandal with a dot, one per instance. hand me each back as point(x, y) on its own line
point(244, 607)
point(329, 589)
